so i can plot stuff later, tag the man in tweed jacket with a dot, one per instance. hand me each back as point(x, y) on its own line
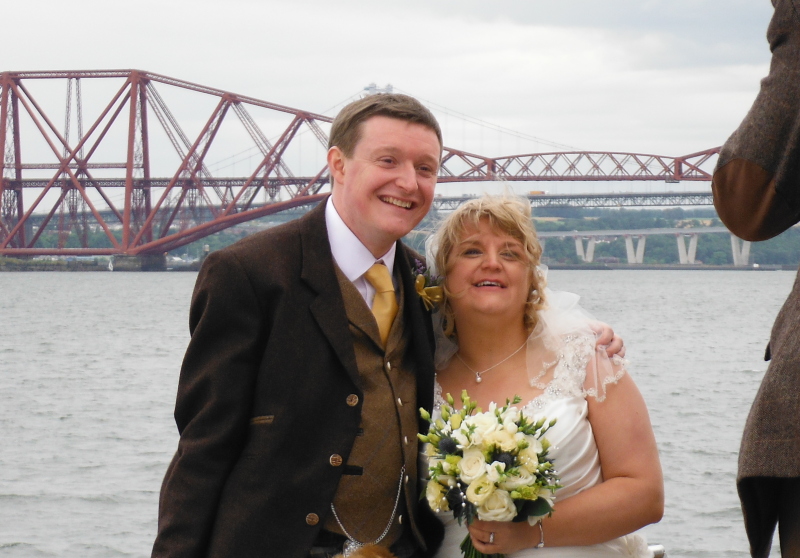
point(273, 399)
point(757, 194)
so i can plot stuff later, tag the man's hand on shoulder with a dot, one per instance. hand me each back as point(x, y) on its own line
point(606, 338)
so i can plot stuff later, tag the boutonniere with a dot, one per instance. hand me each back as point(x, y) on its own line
point(428, 288)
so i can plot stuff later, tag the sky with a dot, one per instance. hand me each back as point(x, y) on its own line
point(668, 77)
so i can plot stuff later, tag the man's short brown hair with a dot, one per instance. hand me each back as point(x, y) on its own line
point(346, 129)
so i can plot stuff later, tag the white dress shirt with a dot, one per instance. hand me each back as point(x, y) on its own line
point(352, 257)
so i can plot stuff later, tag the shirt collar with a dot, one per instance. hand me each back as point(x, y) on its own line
point(352, 257)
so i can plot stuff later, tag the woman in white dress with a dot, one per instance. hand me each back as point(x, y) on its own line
point(503, 335)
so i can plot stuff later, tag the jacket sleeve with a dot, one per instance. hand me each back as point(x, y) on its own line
point(213, 405)
point(756, 184)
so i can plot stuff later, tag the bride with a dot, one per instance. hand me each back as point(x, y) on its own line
point(503, 335)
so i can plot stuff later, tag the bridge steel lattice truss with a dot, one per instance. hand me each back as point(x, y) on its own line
point(98, 177)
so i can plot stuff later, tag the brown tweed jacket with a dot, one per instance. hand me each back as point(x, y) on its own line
point(265, 397)
point(757, 195)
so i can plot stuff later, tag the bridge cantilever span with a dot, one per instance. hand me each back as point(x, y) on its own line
point(134, 174)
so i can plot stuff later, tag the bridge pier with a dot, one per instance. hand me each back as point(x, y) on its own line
point(145, 262)
point(637, 256)
point(588, 255)
point(683, 256)
point(740, 250)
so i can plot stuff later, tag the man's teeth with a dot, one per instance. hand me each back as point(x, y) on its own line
point(489, 284)
point(398, 203)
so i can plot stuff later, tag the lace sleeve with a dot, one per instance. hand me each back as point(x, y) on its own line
point(583, 367)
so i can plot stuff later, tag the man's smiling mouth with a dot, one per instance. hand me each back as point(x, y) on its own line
point(398, 203)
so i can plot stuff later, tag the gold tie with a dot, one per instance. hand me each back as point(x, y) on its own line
point(384, 305)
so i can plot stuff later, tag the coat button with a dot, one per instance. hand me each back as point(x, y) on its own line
point(312, 519)
point(352, 399)
point(400, 519)
point(399, 402)
point(388, 366)
point(336, 459)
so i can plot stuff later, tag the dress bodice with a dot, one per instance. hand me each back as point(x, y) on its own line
point(573, 448)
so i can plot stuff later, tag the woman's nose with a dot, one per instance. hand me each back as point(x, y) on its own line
point(491, 260)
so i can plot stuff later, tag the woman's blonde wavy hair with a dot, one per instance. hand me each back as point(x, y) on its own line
point(506, 214)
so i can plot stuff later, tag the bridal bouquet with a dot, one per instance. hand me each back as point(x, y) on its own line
point(491, 465)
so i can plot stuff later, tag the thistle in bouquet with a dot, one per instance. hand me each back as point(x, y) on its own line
point(490, 465)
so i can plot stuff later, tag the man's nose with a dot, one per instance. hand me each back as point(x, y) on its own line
point(407, 177)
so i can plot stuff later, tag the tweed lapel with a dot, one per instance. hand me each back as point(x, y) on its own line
point(418, 320)
point(328, 306)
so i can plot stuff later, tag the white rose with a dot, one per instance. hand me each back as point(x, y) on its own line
point(435, 495)
point(523, 478)
point(500, 438)
point(495, 470)
point(472, 465)
point(479, 490)
point(497, 507)
point(484, 423)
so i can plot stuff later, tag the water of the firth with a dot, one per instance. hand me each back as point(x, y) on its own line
point(89, 366)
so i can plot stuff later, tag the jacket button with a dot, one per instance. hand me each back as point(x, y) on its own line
point(352, 399)
point(399, 402)
point(336, 459)
point(388, 366)
point(312, 519)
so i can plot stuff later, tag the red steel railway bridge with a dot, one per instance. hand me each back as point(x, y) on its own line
point(131, 161)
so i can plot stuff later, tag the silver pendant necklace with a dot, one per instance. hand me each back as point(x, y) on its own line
point(478, 375)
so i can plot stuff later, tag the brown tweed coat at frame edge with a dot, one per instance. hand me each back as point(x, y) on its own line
point(756, 189)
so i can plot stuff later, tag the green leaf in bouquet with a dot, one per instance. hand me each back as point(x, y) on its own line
point(535, 508)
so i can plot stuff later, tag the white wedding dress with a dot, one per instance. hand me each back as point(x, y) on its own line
point(564, 329)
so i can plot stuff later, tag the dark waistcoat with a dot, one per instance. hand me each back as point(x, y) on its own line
point(366, 495)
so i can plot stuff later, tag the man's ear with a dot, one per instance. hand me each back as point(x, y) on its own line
point(336, 160)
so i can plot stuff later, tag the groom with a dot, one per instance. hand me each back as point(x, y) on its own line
point(297, 406)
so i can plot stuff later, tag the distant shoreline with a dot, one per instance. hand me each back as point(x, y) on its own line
point(672, 267)
point(17, 265)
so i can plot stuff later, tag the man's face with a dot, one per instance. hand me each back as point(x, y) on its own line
point(385, 189)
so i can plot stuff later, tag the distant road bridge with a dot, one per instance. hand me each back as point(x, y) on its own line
point(128, 167)
point(740, 249)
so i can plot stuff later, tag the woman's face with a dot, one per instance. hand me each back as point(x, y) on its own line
point(488, 274)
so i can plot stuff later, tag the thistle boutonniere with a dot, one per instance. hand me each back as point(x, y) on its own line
point(428, 287)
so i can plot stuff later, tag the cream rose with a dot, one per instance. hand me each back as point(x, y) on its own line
point(483, 424)
point(503, 439)
point(435, 495)
point(498, 506)
point(479, 490)
point(522, 478)
point(472, 465)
